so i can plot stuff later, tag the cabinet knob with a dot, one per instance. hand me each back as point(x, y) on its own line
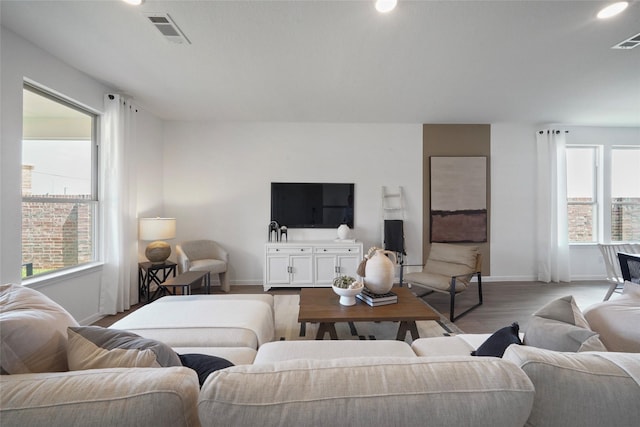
point(324, 250)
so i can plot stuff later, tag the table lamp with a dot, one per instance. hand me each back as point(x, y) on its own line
point(157, 230)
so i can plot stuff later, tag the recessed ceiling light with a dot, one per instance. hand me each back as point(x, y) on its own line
point(613, 9)
point(384, 6)
point(134, 2)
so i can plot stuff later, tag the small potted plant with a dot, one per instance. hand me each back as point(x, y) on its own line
point(347, 287)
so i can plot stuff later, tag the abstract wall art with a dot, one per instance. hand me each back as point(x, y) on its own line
point(458, 199)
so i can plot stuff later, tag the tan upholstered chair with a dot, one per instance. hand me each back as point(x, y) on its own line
point(204, 255)
point(449, 269)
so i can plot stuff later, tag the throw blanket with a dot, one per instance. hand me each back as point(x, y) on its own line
point(192, 312)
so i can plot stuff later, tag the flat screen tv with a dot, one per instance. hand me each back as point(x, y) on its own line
point(311, 205)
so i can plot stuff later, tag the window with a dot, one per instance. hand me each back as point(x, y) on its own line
point(625, 194)
point(603, 193)
point(582, 194)
point(59, 185)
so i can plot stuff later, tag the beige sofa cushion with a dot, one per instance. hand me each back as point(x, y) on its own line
point(617, 320)
point(93, 347)
point(560, 326)
point(279, 351)
point(33, 331)
point(369, 392)
point(444, 346)
point(580, 389)
point(235, 355)
point(105, 397)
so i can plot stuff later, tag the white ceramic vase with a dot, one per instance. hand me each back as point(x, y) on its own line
point(379, 272)
point(343, 231)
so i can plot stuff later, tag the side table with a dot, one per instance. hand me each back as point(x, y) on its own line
point(186, 280)
point(149, 273)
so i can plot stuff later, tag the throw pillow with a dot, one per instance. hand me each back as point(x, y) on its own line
point(497, 343)
point(93, 347)
point(203, 364)
point(560, 326)
point(33, 332)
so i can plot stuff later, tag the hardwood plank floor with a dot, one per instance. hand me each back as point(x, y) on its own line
point(504, 302)
point(508, 302)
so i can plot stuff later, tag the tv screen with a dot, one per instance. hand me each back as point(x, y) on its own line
point(311, 205)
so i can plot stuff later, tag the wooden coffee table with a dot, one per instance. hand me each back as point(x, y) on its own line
point(320, 305)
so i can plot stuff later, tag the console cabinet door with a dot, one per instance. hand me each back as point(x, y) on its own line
point(326, 269)
point(277, 270)
point(301, 270)
point(347, 265)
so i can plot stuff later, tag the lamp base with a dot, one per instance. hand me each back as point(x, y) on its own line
point(157, 252)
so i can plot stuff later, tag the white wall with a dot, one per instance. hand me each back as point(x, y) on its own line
point(20, 60)
point(149, 170)
point(217, 180)
point(217, 184)
point(513, 189)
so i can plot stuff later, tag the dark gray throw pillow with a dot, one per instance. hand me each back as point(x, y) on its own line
point(203, 364)
point(497, 343)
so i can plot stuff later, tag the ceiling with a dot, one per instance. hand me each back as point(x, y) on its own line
point(341, 61)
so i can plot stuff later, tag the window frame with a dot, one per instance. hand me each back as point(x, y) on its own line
point(603, 187)
point(93, 201)
point(610, 203)
point(596, 204)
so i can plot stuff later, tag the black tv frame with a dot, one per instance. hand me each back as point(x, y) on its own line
point(288, 199)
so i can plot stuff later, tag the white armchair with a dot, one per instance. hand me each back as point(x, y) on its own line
point(204, 255)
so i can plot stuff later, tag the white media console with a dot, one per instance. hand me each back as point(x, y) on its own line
point(310, 263)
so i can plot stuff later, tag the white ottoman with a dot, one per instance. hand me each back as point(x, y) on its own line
point(228, 326)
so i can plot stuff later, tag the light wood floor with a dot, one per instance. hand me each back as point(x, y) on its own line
point(504, 302)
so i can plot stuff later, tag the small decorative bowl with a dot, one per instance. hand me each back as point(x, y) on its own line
point(348, 295)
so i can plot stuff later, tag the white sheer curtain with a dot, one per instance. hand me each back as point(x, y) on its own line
point(118, 204)
point(553, 234)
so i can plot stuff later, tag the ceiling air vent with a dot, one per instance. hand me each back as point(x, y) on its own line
point(629, 43)
point(168, 28)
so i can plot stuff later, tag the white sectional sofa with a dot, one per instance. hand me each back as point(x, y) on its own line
point(434, 382)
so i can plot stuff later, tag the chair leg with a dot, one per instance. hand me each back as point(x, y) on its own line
point(612, 288)
point(452, 293)
point(224, 284)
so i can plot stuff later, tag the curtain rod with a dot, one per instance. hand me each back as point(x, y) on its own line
point(552, 131)
point(124, 101)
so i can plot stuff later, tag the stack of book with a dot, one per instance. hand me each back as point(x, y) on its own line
point(377, 299)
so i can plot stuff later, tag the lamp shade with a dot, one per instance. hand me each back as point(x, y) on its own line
point(157, 228)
